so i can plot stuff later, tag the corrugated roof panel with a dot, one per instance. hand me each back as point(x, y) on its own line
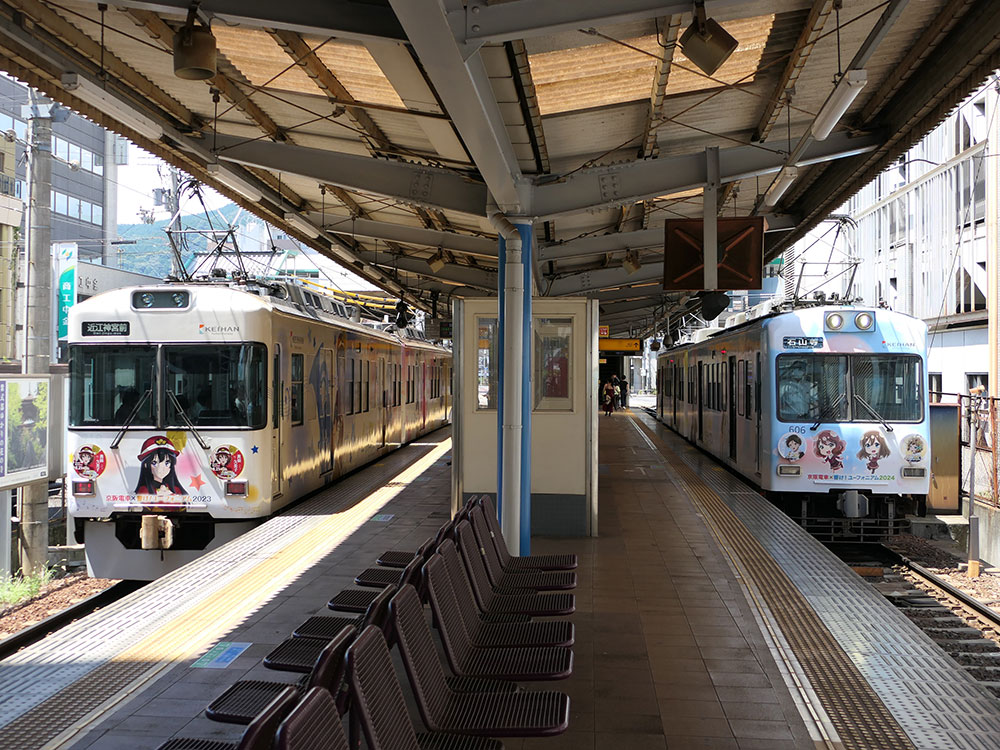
point(357, 70)
point(608, 73)
point(584, 134)
point(261, 60)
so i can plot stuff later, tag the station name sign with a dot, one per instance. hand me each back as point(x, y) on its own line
point(106, 328)
point(802, 342)
point(630, 346)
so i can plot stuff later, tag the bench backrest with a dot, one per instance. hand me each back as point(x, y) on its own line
point(314, 724)
point(420, 657)
point(455, 635)
point(259, 734)
point(459, 578)
point(376, 695)
point(496, 534)
point(494, 566)
point(328, 671)
point(473, 559)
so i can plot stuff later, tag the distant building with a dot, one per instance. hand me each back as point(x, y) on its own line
point(11, 215)
point(920, 232)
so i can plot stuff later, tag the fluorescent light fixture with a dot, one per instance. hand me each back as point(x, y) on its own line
point(95, 96)
point(631, 263)
point(842, 97)
point(781, 183)
point(297, 221)
point(436, 262)
point(234, 182)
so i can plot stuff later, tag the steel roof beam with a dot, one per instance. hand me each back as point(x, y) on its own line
point(480, 278)
point(409, 183)
point(341, 18)
point(605, 278)
point(464, 87)
point(408, 235)
point(621, 184)
point(479, 23)
point(646, 290)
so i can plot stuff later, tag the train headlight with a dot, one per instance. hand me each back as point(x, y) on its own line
point(789, 470)
point(147, 299)
point(864, 321)
point(179, 299)
point(834, 321)
point(913, 472)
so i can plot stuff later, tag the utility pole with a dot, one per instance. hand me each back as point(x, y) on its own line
point(34, 539)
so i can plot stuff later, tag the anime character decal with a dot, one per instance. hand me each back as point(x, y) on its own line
point(226, 462)
point(874, 447)
point(914, 448)
point(89, 461)
point(830, 447)
point(790, 447)
point(158, 468)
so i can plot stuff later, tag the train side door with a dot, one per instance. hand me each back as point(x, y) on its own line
point(756, 390)
point(326, 416)
point(676, 374)
point(276, 408)
point(383, 406)
point(701, 400)
point(732, 408)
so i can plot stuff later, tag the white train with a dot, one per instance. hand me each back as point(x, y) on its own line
point(197, 410)
point(823, 407)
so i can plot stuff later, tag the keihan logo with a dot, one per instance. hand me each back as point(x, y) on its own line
point(202, 328)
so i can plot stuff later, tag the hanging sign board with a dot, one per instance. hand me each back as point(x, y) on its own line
point(603, 331)
point(740, 253)
point(625, 346)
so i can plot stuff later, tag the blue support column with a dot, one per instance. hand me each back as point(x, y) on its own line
point(526, 230)
point(519, 537)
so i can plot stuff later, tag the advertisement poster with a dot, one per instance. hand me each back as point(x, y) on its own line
point(65, 260)
point(24, 437)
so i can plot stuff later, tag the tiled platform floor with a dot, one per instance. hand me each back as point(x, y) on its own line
point(668, 654)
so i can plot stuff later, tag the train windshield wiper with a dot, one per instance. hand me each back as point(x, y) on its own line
point(827, 411)
point(187, 419)
point(871, 410)
point(131, 417)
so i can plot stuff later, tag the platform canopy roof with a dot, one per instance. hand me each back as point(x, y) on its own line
point(379, 131)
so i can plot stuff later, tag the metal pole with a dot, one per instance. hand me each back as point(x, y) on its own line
point(34, 538)
point(973, 556)
point(710, 216)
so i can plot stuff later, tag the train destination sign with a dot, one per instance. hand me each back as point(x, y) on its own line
point(105, 328)
point(628, 346)
point(803, 342)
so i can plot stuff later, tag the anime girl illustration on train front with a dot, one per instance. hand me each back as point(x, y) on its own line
point(158, 468)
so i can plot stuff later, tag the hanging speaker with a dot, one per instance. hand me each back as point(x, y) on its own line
point(710, 49)
point(713, 303)
point(194, 53)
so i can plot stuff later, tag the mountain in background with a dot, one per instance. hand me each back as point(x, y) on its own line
point(151, 252)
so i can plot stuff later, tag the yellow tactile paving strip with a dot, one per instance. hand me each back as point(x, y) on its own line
point(194, 627)
point(860, 717)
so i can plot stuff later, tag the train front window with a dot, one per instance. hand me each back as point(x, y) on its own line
point(106, 383)
point(216, 386)
point(886, 387)
point(812, 387)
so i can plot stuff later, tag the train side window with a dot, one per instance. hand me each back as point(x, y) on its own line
point(756, 387)
point(724, 385)
point(298, 368)
point(741, 368)
point(366, 393)
point(748, 388)
point(350, 387)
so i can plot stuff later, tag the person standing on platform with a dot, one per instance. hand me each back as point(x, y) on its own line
point(624, 386)
point(616, 391)
point(609, 398)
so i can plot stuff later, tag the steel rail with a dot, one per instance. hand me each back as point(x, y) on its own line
point(980, 609)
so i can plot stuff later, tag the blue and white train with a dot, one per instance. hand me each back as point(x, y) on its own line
point(822, 406)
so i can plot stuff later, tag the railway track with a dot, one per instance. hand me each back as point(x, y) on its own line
point(962, 626)
point(34, 633)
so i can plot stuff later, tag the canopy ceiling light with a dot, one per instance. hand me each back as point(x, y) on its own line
point(194, 50)
point(631, 263)
point(840, 99)
point(297, 221)
point(109, 104)
point(781, 183)
point(706, 43)
point(235, 183)
point(436, 262)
